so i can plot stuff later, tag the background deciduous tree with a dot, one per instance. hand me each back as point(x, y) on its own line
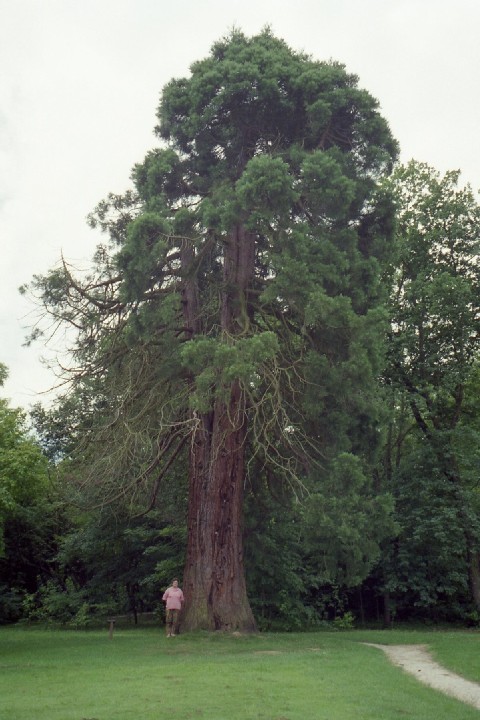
point(27, 516)
point(432, 371)
point(23, 467)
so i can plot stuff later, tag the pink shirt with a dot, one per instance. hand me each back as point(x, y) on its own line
point(174, 598)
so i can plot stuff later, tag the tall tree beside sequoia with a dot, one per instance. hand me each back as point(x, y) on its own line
point(232, 322)
point(433, 369)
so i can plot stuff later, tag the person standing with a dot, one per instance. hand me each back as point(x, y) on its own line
point(173, 599)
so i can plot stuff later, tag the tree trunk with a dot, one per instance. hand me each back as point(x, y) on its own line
point(214, 577)
point(360, 602)
point(387, 614)
point(474, 561)
point(214, 580)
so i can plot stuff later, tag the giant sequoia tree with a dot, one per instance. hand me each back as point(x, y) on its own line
point(231, 323)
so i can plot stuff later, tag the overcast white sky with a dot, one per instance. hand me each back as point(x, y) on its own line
point(81, 80)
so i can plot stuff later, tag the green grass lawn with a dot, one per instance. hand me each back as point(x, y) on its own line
point(141, 675)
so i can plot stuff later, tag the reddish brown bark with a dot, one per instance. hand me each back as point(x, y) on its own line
point(214, 578)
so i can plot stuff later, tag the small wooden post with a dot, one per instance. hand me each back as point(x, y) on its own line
point(111, 627)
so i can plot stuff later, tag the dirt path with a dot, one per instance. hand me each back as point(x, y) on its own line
point(416, 660)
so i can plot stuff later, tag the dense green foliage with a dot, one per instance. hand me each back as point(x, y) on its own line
point(23, 468)
point(27, 514)
point(431, 457)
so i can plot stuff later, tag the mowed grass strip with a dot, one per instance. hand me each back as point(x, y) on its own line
point(460, 653)
point(63, 675)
